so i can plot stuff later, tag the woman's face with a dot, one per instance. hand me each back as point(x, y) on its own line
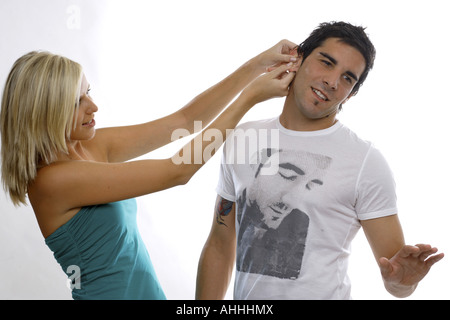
point(84, 128)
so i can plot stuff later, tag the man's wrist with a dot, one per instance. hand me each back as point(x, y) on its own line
point(399, 290)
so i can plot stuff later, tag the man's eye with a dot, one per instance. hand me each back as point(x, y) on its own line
point(289, 171)
point(288, 177)
point(348, 79)
point(327, 63)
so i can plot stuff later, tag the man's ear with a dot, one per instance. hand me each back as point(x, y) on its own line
point(345, 101)
point(294, 52)
point(299, 62)
point(348, 98)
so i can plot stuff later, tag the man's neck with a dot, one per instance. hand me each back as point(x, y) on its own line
point(292, 118)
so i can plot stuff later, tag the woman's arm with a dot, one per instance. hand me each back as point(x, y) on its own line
point(125, 143)
point(273, 84)
point(65, 185)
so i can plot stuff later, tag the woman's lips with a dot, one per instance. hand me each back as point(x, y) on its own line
point(90, 123)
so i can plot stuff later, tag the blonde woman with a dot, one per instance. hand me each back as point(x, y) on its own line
point(79, 180)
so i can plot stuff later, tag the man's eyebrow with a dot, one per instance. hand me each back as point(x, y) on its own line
point(334, 61)
point(326, 55)
point(290, 166)
point(351, 74)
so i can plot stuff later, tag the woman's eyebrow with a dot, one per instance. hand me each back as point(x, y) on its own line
point(290, 166)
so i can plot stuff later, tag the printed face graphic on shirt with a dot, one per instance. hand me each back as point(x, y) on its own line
point(280, 193)
point(272, 226)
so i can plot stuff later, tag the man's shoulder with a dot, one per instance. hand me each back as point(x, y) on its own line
point(350, 137)
point(258, 124)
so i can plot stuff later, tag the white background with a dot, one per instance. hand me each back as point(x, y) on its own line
point(146, 59)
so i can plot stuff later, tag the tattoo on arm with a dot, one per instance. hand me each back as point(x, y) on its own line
point(223, 208)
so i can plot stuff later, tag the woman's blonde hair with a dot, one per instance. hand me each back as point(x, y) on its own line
point(39, 101)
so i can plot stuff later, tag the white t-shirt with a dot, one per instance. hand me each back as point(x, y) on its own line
point(299, 198)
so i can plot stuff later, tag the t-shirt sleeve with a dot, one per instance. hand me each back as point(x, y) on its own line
point(375, 189)
point(225, 186)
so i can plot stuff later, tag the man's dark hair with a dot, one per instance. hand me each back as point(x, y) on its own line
point(347, 33)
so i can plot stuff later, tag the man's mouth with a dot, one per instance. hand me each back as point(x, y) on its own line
point(320, 94)
point(281, 208)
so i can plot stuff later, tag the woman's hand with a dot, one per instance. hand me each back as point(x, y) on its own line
point(281, 53)
point(270, 85)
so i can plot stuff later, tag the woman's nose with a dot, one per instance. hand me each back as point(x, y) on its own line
point(92, 107)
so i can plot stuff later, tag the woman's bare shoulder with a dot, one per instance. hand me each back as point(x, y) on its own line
point(47, 200)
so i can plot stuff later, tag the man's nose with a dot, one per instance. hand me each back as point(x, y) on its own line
point(331, 81)
point(296, 189)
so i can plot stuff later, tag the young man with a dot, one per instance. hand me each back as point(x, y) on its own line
point(290, 229)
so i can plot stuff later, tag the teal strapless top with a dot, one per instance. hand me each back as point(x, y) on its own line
point(102, 252)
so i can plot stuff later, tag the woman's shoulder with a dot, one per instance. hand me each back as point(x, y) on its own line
point(46, 198)
point(49, 177)
point(53, 181)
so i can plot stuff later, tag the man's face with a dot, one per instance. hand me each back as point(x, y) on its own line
point(326, 78)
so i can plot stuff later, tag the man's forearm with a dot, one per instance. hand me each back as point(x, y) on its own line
point(214, 273)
